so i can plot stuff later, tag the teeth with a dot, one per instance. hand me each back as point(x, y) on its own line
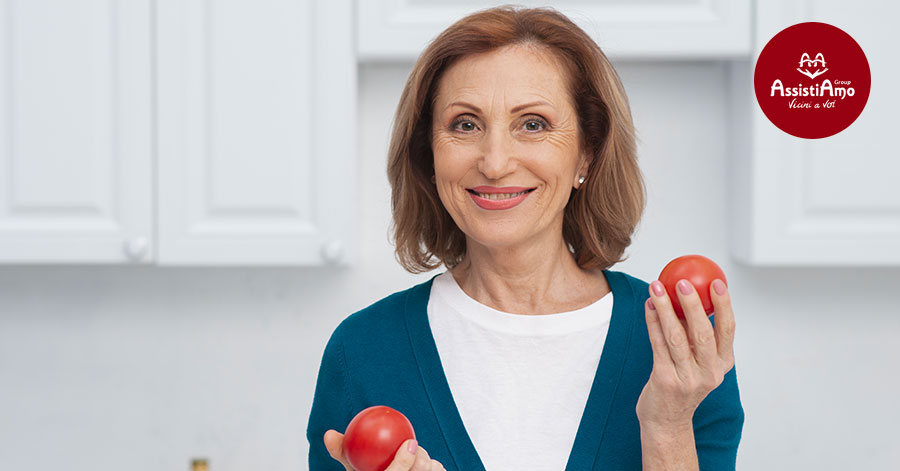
point(500, 196)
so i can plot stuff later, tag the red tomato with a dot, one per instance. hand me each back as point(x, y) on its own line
point(697, 269)
point(373, 437)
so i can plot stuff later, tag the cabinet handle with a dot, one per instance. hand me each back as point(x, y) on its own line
point(332, 251)
point(136, 248)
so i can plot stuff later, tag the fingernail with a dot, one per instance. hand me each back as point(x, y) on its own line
point(651, 305)
point(719, 286)
point(684, 287)
point(657, 288)
point(413, 446)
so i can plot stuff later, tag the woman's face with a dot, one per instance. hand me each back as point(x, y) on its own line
point(505, 119)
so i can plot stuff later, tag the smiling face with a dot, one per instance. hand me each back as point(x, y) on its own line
point(505, 119)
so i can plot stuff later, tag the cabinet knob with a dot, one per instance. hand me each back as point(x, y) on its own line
point(332, 251)
point(136, 248)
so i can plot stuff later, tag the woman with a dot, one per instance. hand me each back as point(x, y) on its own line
point(513, 163)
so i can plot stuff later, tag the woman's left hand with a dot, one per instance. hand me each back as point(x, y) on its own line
point(690, 356)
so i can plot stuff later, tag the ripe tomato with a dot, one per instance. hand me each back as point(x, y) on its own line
point(373, 437)
point(697, 269)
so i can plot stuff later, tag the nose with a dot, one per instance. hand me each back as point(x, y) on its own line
point(496, 155)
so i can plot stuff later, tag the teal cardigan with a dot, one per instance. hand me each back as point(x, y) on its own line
point(385, 355)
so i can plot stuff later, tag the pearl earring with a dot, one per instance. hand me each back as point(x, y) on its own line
point(581, 179)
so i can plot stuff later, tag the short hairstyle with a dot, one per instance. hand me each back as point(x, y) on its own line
point(600, 216)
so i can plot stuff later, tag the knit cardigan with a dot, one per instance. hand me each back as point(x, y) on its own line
point(385, 354)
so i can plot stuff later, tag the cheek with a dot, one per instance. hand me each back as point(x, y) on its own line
point(451, 165)
point(452, 158)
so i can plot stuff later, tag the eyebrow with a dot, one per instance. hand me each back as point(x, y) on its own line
point(514, 110)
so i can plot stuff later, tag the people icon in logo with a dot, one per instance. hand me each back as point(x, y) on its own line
point(804, 59)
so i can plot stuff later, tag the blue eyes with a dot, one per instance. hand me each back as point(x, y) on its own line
point(469, 125)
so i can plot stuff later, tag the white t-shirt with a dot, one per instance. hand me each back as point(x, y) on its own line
point(520, 382)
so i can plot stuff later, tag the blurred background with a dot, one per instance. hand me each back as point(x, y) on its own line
point(193, 195)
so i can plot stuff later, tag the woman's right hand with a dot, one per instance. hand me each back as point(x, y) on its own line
point(403, 460)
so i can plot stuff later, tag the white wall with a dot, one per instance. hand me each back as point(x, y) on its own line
point(104, 368)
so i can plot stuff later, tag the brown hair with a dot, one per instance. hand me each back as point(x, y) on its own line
point(601, 214)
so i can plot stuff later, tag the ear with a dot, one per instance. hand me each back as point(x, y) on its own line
point(585, 163)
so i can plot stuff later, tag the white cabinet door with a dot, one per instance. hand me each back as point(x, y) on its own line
point(256, 132)
point(831, 201)
point(400, 29)
point(75, 132)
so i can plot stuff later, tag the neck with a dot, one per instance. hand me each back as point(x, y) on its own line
point(532, 279)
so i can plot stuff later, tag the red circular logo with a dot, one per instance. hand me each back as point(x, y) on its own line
point(812, 80)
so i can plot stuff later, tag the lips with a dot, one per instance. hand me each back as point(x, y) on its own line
point(494, 190)
point(498, 195)
point(498, 200)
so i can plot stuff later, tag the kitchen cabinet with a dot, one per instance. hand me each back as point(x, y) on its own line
point(257, 113)
point(818, 202)
point(189, 132)
point(76, 168)
point(177, 132)
point(625, 29)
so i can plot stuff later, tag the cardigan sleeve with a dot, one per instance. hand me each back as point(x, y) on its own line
point(331, 405)
point(718, 422)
